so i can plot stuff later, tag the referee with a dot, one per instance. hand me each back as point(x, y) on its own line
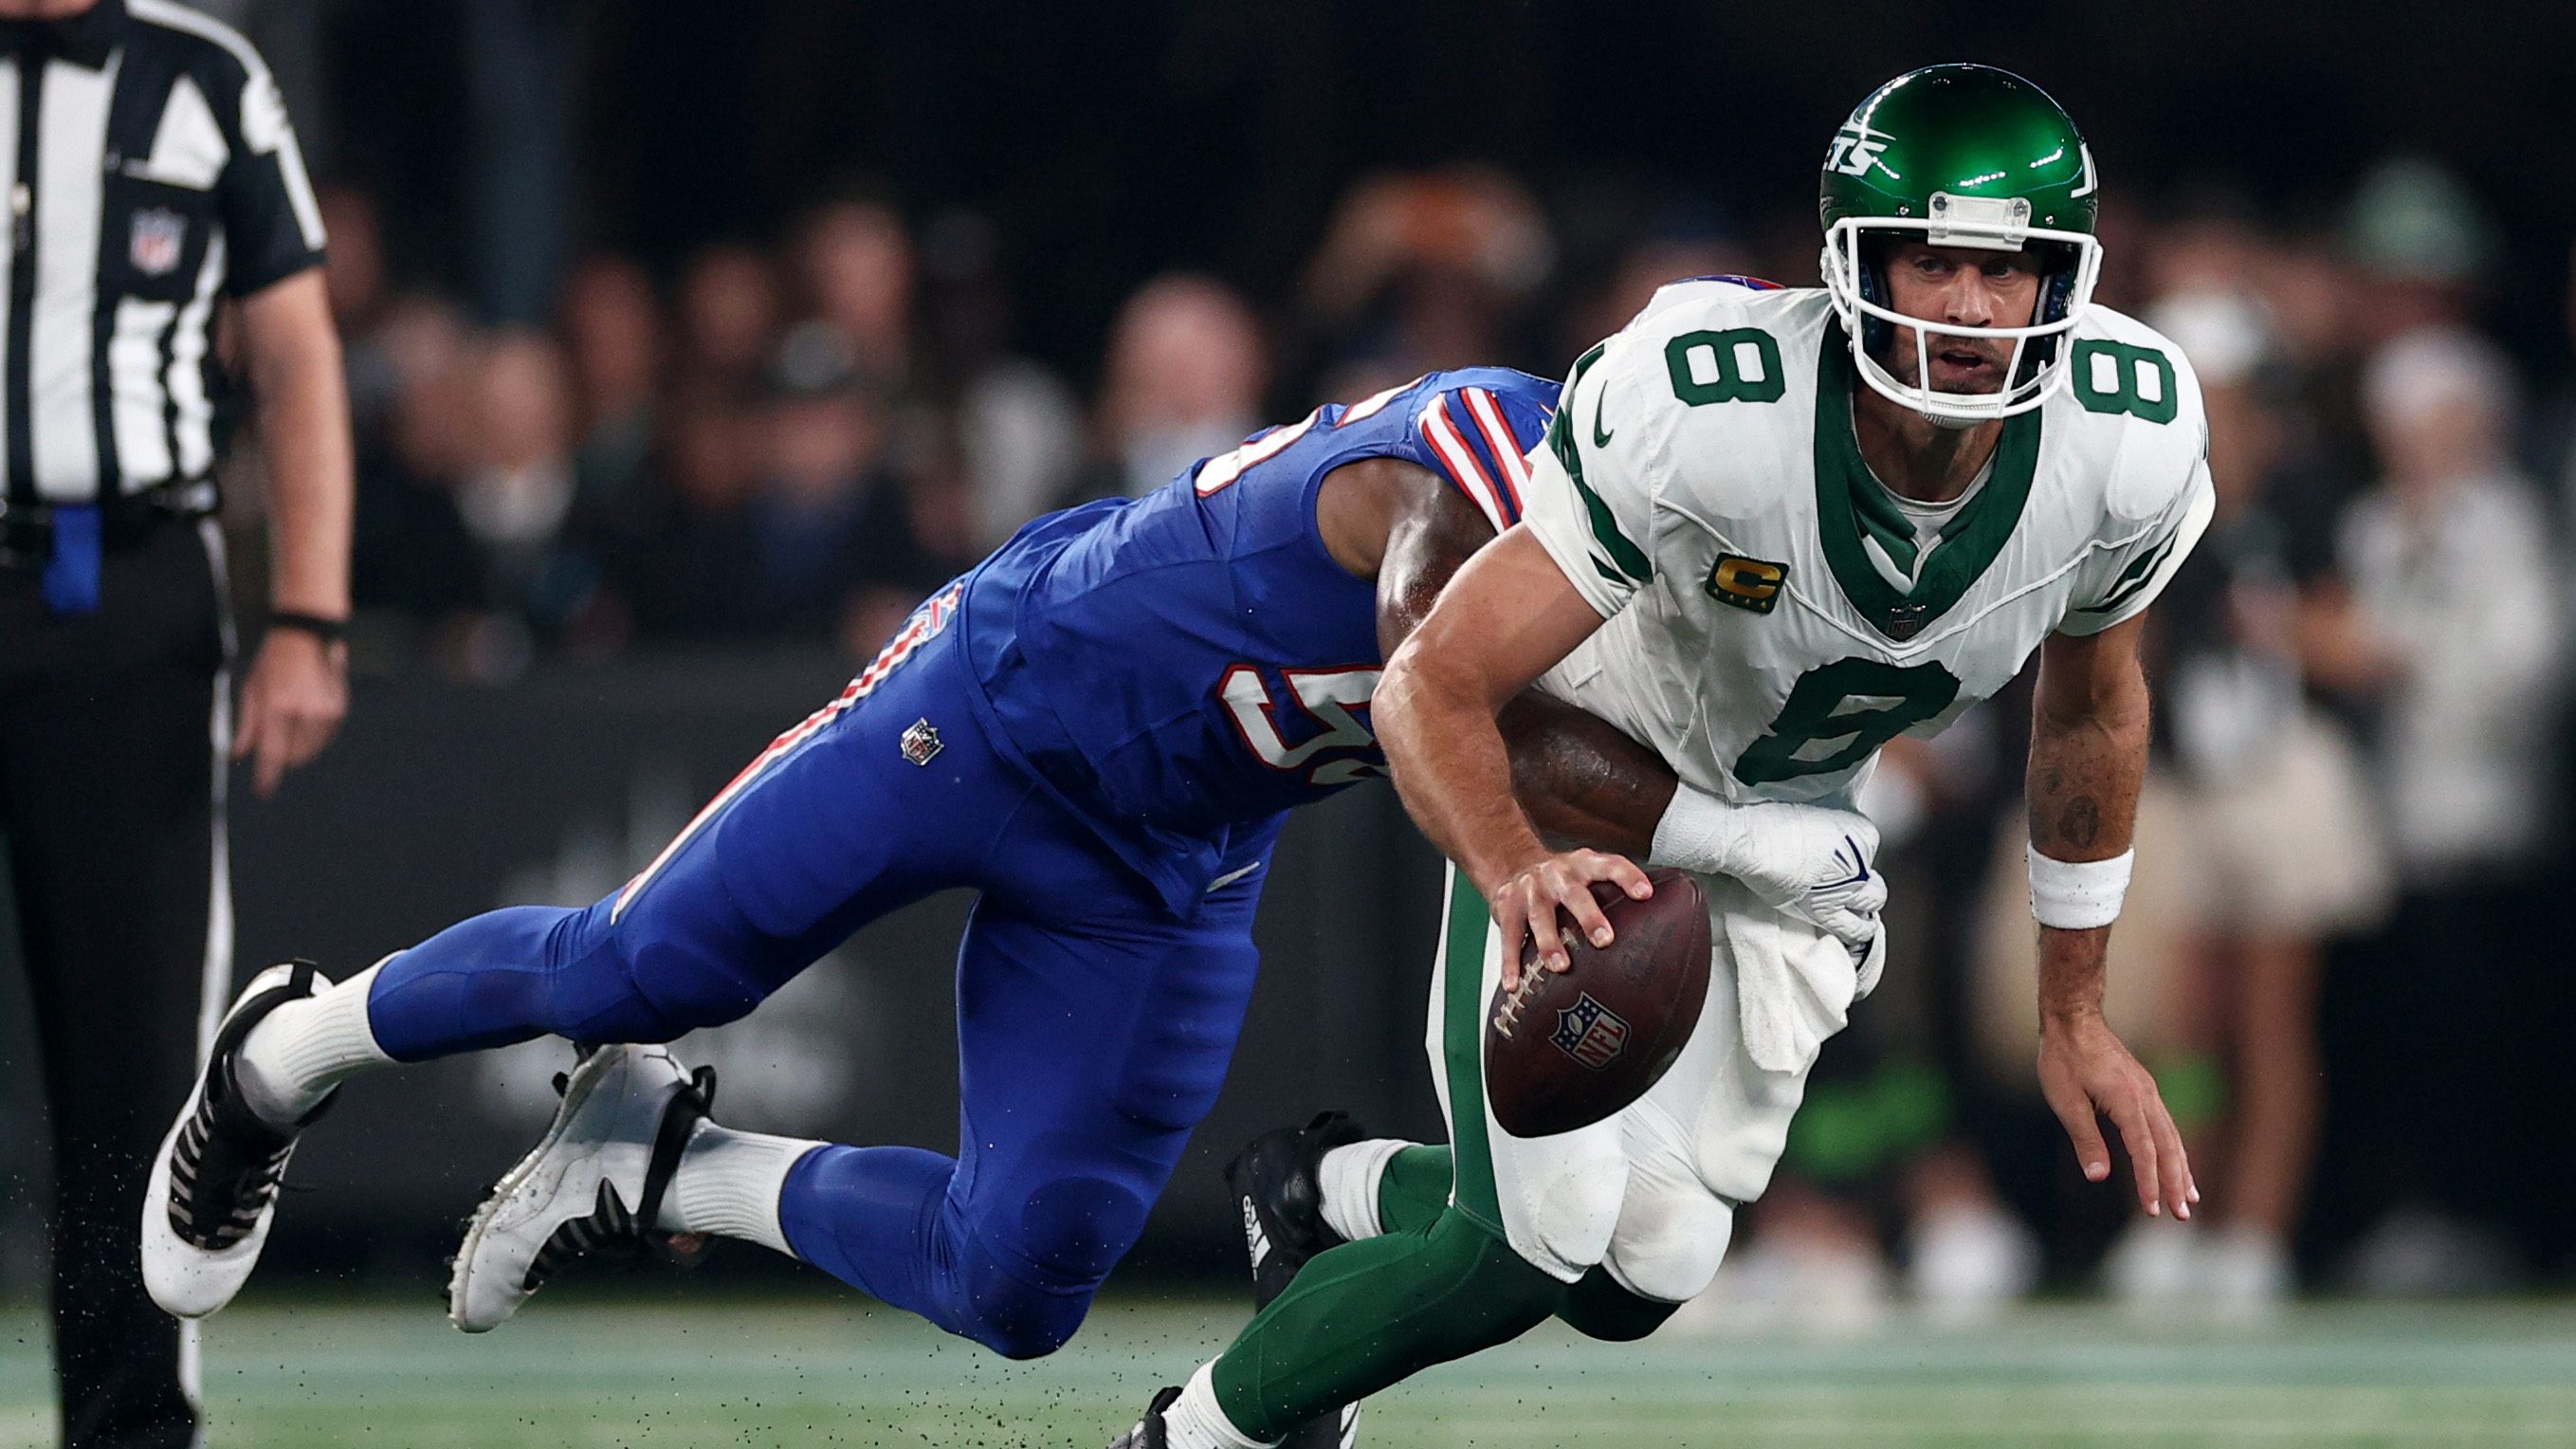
point(151, 178)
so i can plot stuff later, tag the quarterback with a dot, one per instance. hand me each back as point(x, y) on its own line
point(1769, 530)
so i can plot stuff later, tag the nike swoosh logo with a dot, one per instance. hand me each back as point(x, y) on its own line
point(1860, 865)
point(1600, 434)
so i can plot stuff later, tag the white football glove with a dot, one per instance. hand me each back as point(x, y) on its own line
point(1871, 964)
point(1812, 862)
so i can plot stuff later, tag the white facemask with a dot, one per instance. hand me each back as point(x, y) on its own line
point(1958, 221)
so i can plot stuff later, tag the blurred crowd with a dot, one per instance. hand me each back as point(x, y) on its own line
point(2335, 955)
point(789, 443)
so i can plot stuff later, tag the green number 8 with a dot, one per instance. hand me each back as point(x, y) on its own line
point(1740, 364)
point(2116, 377)
point(1835, 716)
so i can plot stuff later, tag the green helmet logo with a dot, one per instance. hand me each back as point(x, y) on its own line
point(1960, 156)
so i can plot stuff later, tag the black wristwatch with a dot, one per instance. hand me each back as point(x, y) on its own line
point(329, 631)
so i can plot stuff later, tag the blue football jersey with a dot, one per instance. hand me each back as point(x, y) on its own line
point(1182, 667)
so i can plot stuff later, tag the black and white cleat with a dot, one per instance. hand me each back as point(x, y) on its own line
point(592, 1186)
point(213, 1190)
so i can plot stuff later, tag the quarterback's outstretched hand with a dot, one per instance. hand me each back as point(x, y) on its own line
point(1525, 904)
point(1813, 862)
point(2086, 1073)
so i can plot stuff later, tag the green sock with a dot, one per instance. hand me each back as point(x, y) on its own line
point(1373, 1313)
point(1414, 1189)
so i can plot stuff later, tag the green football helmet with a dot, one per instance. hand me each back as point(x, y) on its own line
point(1963, 156)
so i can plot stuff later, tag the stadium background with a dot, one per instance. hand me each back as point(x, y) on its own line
point(690, 344)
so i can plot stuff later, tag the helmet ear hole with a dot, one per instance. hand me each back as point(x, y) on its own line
point(2056, 296)
point(2058, 291)
point(1870, 261)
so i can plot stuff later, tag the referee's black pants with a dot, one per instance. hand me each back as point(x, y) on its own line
point(110, 725)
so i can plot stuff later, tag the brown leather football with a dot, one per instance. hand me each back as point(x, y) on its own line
point(1574, 1046)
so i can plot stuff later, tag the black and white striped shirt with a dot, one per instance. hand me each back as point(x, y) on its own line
point(150, 171)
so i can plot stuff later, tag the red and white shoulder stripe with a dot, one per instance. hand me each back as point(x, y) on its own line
point(1466, 430)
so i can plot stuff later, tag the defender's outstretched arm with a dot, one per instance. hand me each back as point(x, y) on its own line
point(1582, 780)
point(1505, 619)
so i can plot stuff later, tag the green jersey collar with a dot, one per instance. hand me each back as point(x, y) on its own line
point(1851, 506)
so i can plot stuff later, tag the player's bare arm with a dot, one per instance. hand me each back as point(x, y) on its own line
point(1506, 617)
point(2088, 756)
point(1582, 780)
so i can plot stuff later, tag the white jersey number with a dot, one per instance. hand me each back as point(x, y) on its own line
point(1327, 697)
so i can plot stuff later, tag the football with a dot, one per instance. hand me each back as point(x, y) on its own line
point(1571, 1047)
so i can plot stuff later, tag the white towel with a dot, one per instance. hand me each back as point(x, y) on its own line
point(1794, 984)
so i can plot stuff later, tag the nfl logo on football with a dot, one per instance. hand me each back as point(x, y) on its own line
point(160, 234)
point(1590, 1033)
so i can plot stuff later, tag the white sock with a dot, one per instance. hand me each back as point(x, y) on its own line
point(1349, 1177)
point(1195, 1422)
point(300, 1051)
point(728, 1184)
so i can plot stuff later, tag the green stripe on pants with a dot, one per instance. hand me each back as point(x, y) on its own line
point(1462, 1040)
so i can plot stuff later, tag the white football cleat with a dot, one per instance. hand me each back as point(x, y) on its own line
point(213, 1190)
point(592, 1186)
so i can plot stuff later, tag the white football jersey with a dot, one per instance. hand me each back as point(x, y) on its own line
point(1773, 615)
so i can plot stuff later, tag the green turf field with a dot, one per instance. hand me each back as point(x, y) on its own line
point(801, 1373)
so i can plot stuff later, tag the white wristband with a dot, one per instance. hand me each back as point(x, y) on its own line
point(1699, 833)
point(2078, 895)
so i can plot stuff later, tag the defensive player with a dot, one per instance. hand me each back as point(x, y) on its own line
point(1770, 531)
point(1099, 729)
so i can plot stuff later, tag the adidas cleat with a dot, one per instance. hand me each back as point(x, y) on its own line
point(213, 1189)
point(591, 1188)
point(1277, 1184)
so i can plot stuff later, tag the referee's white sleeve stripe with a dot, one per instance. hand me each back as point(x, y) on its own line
point(299, 191)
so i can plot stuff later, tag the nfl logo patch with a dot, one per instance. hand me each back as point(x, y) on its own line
point(920, 742)
point(160, 235)
point(1590, 1033)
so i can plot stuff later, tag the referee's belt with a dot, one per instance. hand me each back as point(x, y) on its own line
point(27, 529)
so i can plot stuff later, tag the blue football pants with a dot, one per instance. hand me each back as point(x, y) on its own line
point(1093, 1025)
